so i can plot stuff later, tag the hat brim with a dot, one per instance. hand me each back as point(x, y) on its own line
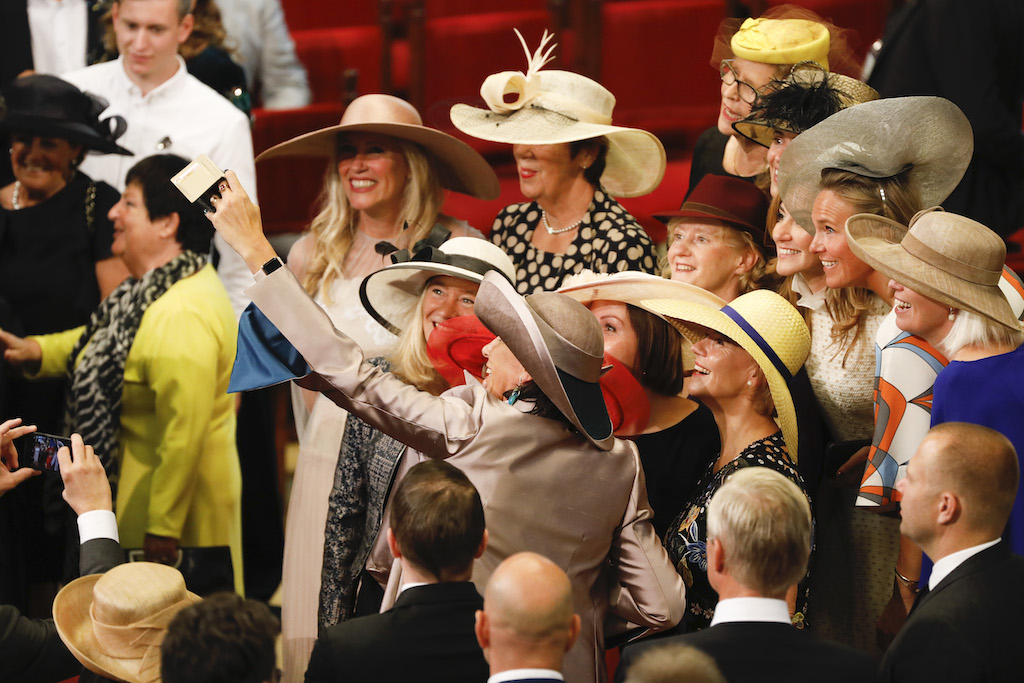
point(390, 294)
point(666, 216)
point(865, 237)
point(70, 131)
point(71, 616)
point(929, 138)
point(759, 132)
point(635, 163)
point(508, 315)
point(683, 313)
point(461, 168)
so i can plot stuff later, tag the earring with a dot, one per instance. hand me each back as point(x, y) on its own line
point(952, 315)
point(750, 382)
point(514, 396)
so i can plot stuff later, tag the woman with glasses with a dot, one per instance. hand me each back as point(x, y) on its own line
point(750, 61)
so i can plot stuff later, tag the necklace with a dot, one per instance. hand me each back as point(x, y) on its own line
point(558, 231)
point(16, 196)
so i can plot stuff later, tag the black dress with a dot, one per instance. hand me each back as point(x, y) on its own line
point(674, 460)
point(687, 538)
point(708, 152)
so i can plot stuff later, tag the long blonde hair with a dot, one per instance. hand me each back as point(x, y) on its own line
point(335, 224)
point(409, 360)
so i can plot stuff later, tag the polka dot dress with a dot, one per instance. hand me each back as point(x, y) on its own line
point(609, 240)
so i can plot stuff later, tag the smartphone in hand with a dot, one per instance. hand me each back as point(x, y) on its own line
point(39, 451)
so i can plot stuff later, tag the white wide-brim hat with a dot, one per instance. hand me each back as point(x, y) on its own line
point(390, 294)
point(557, 107)
point(460, 167)
point(767, 327)
point(929, 138)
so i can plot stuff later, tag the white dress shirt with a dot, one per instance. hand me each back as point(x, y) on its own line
point(522, 674)
point(180, 116)
point(942, 568)
point(751, 609)
point(59, 31)
point(97, 524)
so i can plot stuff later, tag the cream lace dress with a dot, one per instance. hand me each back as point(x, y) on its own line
point(320, 432)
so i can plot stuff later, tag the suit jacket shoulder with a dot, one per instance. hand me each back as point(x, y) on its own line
point(427, 636)
point(970, 627)
point(765, 653)
point(31, 651)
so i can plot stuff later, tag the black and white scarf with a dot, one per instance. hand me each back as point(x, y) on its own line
point(92, 405)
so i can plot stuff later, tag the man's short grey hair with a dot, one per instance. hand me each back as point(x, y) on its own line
point(763, 521)
point(672, 663)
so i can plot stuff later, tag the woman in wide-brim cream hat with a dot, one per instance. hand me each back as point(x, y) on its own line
point(572, 163)
point(385, 181)
point(746, 370)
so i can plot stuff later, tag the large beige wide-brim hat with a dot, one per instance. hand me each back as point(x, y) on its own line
point(943, 256)
point(114, 623)
point(555, 107)
point(460, 167)
point(927, 137)
point(390, 294)
point(559, 342)
point(767, 327)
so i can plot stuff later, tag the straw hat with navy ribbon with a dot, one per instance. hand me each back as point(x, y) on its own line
point(767, 327)
point(943, 256)
point(390, 294)
point(552, 107)
point(559, 342)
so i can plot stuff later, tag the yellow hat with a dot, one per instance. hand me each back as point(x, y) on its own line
point(782, 41)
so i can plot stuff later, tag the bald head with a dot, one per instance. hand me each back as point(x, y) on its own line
point(959, 488)
point(528, 619)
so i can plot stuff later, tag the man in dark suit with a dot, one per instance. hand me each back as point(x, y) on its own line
point(30, 649)
point(437, 531)
point(956, 498)
point(759, 543)
point(527, 623)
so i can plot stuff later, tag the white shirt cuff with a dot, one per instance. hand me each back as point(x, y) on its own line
point(97, 524)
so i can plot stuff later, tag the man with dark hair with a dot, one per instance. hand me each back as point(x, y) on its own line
point(437, 531)
point(956, 498)
point(223, 639)
point(759, 543)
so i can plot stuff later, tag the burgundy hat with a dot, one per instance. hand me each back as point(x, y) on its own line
point(731, 200)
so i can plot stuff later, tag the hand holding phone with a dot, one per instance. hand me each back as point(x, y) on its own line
point(10, 475)
point(39, 451)
point(200, 182)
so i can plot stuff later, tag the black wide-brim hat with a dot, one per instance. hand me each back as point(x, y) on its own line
point(48, 106)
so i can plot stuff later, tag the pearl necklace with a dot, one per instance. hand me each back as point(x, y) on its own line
point(558, 231)
point(16, 196)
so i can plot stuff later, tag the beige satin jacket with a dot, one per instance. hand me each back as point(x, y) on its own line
point(544, 489)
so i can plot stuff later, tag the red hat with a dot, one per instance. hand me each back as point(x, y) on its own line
point(456, 345)
point(733, 201)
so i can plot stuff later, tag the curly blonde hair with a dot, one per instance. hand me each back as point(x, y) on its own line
point(334, 226)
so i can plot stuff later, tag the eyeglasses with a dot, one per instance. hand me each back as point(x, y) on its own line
point(746, 92)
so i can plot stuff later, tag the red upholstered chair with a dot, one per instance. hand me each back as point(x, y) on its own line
point(288, 187)
point(310, 14)
point(865, 17)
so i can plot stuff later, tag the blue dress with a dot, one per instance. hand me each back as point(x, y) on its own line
point(988, 392)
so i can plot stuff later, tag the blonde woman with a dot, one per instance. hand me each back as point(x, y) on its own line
point(384, 182)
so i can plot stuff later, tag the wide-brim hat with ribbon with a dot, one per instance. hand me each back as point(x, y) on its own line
point(391, 293)
point(45, 105)
point(559, 342)
point(928, 138)
point(460, 167)
point(808, 96)
point(728, 199)
point(554, 107)
point(943, 256)
point(114, 623)
point(767, 327)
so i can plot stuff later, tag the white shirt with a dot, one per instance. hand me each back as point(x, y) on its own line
point(59, 31)
point(521, 674)
point(180, 116)
point(942, 568)
point(751, 609)
point(97, 524)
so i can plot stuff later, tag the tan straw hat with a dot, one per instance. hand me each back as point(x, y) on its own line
point(782, 41)
point(554, 107)
point(390, 294)
point(927, 137)
point(461, 168)
point(943, 256)
point(559, 342)
point(114, 623)
point(808, 96)
point(767, 327)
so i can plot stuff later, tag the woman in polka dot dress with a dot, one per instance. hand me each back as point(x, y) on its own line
point(571, 163)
